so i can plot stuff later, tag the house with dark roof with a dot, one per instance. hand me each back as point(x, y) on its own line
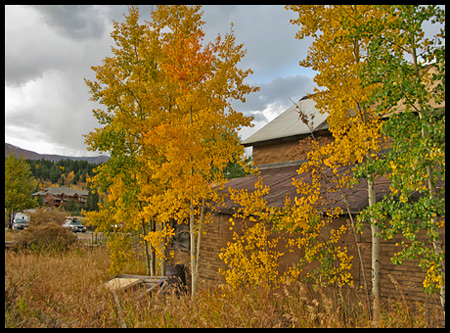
point(60, 196)
point(276, 156)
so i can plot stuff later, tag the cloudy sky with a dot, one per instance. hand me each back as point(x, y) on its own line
point(50, 49)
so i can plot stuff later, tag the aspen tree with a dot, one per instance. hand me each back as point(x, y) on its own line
point(304, 222)
point(125, 86)
point(409, 71)
point(355, 127)
point(169, 124)
point(251, 256)
point(197, 138)
point(19, 185)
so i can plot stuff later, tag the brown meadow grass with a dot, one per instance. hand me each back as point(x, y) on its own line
point(63, 289)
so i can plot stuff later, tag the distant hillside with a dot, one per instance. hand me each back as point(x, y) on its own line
point(27, 154)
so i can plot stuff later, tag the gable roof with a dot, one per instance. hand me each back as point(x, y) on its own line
point(289, 124)
point(61, 190)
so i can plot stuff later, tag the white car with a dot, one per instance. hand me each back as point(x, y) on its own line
point(74, 225)
point(20, 224)
point(20, 221)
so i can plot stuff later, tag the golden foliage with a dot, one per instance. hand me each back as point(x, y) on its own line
point(169, 124)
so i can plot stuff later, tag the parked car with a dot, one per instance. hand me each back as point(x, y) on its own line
point(74, 225)
point(21, 216)
point(20, 224)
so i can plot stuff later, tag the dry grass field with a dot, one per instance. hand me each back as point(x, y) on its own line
point(64, 289)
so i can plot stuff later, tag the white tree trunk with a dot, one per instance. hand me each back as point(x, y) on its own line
point(194, 273)
point(375, 254)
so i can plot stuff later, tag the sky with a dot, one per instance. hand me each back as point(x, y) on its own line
point(50, 49)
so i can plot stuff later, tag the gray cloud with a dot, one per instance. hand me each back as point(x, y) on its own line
point(71, 37)
point(61, 116)
point(86, 21)
point(74, 22)
point(33, 48)
point(279, 91)
point(267, 34)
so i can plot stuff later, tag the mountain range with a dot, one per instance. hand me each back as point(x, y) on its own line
point(31, 155)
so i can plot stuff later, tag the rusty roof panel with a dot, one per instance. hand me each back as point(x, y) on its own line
point(280, 182)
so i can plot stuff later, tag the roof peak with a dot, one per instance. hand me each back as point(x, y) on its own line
point(288, 123)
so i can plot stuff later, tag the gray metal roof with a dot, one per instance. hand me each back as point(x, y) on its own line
point(61, 190)
point(289, 124)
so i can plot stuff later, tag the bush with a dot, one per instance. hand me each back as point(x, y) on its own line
point(50, 236)
point(43, 215)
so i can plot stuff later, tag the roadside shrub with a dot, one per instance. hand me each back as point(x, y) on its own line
point(43, 215)
point(50, 236)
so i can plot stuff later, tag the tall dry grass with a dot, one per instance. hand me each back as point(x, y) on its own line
point(64, 290)
point(54, 289)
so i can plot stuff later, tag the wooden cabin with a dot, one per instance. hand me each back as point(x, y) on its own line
point(274, 148)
